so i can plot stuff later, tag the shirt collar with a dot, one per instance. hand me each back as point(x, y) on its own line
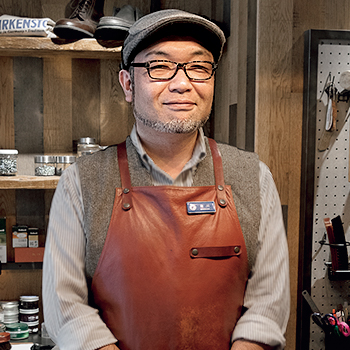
point(199, 153)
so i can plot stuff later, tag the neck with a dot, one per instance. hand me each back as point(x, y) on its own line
point(170, 152)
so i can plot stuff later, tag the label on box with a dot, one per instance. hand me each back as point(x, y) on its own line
point(3, 253)
point(33, 241)
point(19, 237)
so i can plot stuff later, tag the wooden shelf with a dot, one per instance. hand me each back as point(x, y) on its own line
point(46, 47)
point(28, 182)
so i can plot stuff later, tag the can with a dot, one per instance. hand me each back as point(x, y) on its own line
point(28, 315)
point(29, 302)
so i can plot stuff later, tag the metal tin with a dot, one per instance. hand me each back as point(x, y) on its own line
point(45, 165)
point(8, 162)
point(29, 302)
point(18, 330)
point(29, 315)
point(33, 327)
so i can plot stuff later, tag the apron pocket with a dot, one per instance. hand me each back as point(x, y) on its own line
point(215, 252)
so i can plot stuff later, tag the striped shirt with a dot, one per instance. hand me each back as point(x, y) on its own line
point(73, 324)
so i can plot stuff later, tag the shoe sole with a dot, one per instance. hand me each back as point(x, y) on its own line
point(71, 32)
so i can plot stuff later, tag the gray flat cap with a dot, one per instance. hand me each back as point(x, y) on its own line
point(157, 25)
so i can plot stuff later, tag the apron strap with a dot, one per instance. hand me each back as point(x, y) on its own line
point(126, 180)
point(219, 173)
point(125, 176)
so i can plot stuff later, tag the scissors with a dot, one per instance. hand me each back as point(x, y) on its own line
point(341, 327)
point(323, 321)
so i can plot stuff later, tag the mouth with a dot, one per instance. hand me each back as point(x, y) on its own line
point(180, 105)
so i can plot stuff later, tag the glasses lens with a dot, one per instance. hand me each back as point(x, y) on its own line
point(199, 70)
point(161, 69)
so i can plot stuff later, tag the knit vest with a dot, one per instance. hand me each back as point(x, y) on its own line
point(99, 176)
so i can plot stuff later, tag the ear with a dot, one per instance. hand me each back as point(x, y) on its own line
point(125, 82)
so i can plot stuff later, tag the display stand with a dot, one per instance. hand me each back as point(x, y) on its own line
point(325, 182)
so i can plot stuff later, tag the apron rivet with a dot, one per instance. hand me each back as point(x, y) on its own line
point(126, 190)
point(222, 201)
point(194, 251)
point(220, 188)
point(126, 205)
point(237, 249)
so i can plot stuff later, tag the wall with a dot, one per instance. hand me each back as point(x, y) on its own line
point(279, 98)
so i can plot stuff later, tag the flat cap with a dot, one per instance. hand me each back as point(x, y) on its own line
point(160, 24)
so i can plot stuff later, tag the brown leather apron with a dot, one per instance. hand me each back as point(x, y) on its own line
point(167, 279)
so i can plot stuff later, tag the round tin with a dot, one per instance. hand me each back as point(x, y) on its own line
point(18, 330)
point(33, 327)
point(29, 302)
point(28, 315)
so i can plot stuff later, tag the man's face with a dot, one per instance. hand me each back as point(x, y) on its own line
point(177, 105)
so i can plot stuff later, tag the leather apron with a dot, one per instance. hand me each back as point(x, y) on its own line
point(167, 279)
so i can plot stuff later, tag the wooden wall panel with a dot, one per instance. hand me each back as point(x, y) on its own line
point(116, 114)
point(85, 98)
point(28, 104)
point(7, 126)
point(57, 105)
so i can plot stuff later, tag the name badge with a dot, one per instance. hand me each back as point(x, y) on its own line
point(201, 207)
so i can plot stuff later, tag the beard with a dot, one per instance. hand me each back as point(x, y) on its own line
point(174, 126)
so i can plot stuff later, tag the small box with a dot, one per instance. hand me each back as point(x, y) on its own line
point(19, 236)
point(29, 254)
point(33, 237)
point(3, 247)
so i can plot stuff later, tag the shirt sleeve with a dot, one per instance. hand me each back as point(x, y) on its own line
point(70, 321)
point(267, 296)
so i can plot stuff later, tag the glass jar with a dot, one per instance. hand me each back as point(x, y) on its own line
point(45, 165)
point(63, 162)
point(8, 162)
point(86, 146)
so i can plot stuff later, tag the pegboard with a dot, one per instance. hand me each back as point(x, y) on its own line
point(332, 184)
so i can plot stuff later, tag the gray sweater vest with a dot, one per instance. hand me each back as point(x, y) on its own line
point(99, 175)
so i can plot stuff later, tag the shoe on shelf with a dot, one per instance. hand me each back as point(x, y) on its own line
point(83, 20)
point(117, 26)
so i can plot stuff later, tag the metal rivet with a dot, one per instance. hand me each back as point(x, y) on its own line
point(237, 249)
point(126, 190)
point(126, 205)
point(222, 201)
point(194, 251)
point(220, 188)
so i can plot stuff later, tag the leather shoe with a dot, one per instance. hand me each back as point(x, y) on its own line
point(82, 22)
point(117, 26)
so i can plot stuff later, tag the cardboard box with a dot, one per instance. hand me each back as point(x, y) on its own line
point(19, 236)
point(29, 254)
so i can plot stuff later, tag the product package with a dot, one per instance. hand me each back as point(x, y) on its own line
point(19, 236)
point(3, 247)
point(23, 26)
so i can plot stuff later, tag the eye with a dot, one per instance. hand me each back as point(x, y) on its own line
point(161, 65)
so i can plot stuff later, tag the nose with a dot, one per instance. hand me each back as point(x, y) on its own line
point(180, 81)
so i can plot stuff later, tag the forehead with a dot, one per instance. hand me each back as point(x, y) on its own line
point(182, 49)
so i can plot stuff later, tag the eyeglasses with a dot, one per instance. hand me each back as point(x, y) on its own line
point(166, 70)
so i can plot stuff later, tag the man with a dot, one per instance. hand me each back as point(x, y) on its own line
point(167, 241)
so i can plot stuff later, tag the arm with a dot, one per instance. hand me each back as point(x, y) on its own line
point(267, 295)
point(71, 322)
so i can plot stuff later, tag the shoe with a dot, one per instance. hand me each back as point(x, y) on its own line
point(117, 26)
point(82, 22)
point(70, 7)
